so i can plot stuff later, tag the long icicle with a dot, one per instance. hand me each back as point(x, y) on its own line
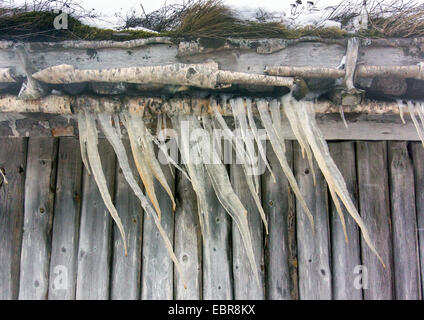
point(82, 129)
point(239, 152)
point(115, 140)
point(329, 168)
point(298, 133)
point(254, 129)
point(294, 120)
point(279, 151)
point(97, 170)
point(141, 164)
point(149, 154)
point(196, 171)
point(228, 198)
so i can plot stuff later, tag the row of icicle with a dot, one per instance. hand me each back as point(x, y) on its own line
point(301, 117)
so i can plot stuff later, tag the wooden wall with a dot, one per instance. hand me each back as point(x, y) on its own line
point(57, 241)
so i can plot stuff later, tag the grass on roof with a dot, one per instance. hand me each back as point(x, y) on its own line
point(210, 19)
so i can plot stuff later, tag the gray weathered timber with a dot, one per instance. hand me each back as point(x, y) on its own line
point(362, 128)
point(374, 206)
point(217, 266)
point(13, 155)
point(313, 248)
point(188, 242)
point(246, 59)
point(38, 218)
point(245, 285)
point(63, 262)
point(345, 256)
point(418, 161)
point(157, 267)
point(404, 221)
point(126, 270)
point(280, 255)
point(95, 233)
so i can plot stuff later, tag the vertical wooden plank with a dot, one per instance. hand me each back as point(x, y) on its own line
point(374, 207)
point(13, 155)
point(418, 160)
point(157, 266)
point(281, 256)
point(346, 256)
point(63, 263)
point(38, 218)
point(217, 266)
point(404, 221)
point(95, 233)
point(188, 242)
point(313, 248)
point(245, 284)
point(126, 270)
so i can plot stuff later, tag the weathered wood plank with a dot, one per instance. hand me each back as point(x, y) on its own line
point(313, 248)
point(346, 256)
point(63, 262)
point(39, 205)
point(95, 233)
point(374, 207)
point(217, 266)
point(188, 242)
point(418, 161)
point(404, 221)
point(157, 267)
point(245, 284)
point(126, 270)
point(280, 257)
point(13, 155)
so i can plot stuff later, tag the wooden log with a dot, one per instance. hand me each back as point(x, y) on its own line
point(39, 205)
point(13, 155)
point(217, 267)
point(66, 222)
point(364, 71)
point(95, 233)
point(404, 221)
point(374, 206)
point(157, 267)
point(198, 75)
point(126, 270)
point(279, 205)
point(313, 248)
point(345, 256)
point(417, 157)
point(188, 242)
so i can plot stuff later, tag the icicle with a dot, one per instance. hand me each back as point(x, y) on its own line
point(254, 129)
point(117, 125)
point(420, 131)
point(4, 177)
point(197, 172)
point(83, 133)
point(298, 133)
point(401, 113)
point(279, 151)
point(228, 198)
point(343, 116)
point(141, 163)
point(96, 167)
point(329, 169)
point(115, 141)
point(240, 153)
